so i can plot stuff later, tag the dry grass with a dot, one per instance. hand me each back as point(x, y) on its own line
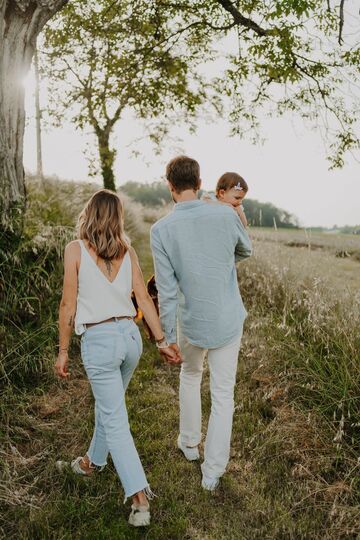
point(313, 257)
point(57, 203)
point(313, 240)
point(293, 472)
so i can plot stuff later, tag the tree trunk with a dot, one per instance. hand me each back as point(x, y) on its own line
point(20, 23)
point(107, 158)
point(39, 166)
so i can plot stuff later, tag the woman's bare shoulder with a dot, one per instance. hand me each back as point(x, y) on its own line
point(132, 253)
point(73, 245)
point(72, 249)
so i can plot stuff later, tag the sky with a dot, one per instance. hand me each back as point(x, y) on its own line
point(289, 170)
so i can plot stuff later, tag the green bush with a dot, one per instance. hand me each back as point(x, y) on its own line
point(150, 195)
point(55, 202)
point(31, 277)
point(30, 280)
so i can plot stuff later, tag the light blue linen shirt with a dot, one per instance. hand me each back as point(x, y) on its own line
point(194, 249)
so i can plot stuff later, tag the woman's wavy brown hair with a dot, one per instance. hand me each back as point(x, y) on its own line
point(102, 223)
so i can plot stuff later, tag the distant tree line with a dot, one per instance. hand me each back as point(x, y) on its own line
point(267, 215)
point(258, 214)
point(155, 194)
point(347, 229)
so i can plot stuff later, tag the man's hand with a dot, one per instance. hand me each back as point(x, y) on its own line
point(61, 365)
point(171, 354)
point(177, 351)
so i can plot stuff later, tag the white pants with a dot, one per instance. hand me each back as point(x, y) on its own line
point(222, 365)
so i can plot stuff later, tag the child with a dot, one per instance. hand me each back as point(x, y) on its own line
point(231, 188)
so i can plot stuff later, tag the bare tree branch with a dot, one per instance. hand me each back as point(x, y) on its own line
point(322, 92)
point(76, 75)
point(88, 96)
point(105, 89)
point(244, 21)
point(116, 116)
point(341, 24)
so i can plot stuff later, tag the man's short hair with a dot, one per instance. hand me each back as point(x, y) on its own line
point(183, 173)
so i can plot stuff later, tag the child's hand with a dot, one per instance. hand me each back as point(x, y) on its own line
point(240, 212)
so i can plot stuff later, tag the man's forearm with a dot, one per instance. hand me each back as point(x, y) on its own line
point(167, 287)
point(168, 311)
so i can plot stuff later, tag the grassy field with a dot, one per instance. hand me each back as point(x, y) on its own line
point(294, 469)
point(332, 259)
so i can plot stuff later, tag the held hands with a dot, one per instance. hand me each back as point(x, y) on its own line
point(171, 354)
point(61, 365)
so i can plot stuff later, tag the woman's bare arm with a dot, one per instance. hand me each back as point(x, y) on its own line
point(67, 308)
point(143, 298)
point(146, 304)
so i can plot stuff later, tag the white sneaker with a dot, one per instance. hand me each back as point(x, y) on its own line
point(139, 516)
point(191, 453)
point(75, 466)
point(210, 484)
point(62, 466)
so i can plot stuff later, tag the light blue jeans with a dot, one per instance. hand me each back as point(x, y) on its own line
point(110, 354)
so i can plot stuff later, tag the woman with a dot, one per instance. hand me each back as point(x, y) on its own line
point(100, 271)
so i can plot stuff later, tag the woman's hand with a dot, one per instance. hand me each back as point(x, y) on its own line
point(61, 364)
point(171, 354)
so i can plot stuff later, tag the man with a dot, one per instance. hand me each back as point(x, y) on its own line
point(195, 248)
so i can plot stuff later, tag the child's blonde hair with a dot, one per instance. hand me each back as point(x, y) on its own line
point(230, 180)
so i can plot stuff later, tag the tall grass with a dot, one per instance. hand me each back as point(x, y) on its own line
point(31, 277)
point(293, 472)
point(30, 285)
point(313, 339)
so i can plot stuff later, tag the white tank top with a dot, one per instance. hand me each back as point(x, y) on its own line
point(99, 299)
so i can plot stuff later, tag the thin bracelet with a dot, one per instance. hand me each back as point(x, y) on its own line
point(63, 349)
point(162, 344)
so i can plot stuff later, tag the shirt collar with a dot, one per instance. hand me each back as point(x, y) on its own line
point(187, 205)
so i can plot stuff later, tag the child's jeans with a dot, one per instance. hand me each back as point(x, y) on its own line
point(110, 353)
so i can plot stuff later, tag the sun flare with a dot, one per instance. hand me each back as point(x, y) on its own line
point(28, 82)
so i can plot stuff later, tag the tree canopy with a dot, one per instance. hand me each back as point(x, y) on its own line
point(292, 56)
point(266, 214)
point(283, 56)
point(104, 58)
